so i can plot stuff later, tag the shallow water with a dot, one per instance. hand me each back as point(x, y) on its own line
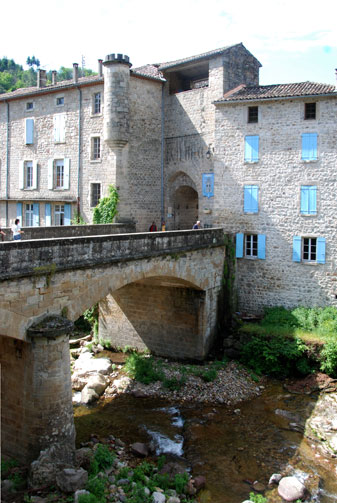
point(232, 447)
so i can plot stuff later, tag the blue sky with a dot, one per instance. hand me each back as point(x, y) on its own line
point(295, 40)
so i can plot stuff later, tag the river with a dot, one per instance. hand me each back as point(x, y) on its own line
point(232, 446)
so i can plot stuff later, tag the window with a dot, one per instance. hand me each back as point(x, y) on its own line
point(29, 215)
point(95, 194)
point(59, 214)
point(309, 146)
point(250, 199)
point(59, 128)
point(60, 101)
point(309, 249)
point(95, 148)
point(253, 114)
point(309, 111)
point(58, 173)
point(251, 246)
point(28, 175)
point(251, 149)
point(97, 103)
point(32, 214)
point(29, 131)
point(308, 200)
point(29, 105)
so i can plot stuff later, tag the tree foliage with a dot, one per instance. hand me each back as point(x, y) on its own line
point(13, 76)
point(106, 210)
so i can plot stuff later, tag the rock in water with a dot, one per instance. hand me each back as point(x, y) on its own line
point(291, 489)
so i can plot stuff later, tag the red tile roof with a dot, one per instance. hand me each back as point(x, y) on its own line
point(246, 93)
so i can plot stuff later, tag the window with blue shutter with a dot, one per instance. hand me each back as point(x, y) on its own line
point(239, 245)
point(309, 146)
point(36, 214)
point(47, 210)
point(320, 251)
point(208, 184)
point(19, 211)
point(250, 199)
point(251, 148)
point(29, 131)
point(261, 246)
point(308, 200)
point(67, 214)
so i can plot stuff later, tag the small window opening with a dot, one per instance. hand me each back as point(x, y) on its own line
point(309, 111)
point(253, 114)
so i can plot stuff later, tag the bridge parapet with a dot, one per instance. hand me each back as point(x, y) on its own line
point(43, 256)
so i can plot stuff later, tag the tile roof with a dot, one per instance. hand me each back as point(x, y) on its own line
point(64, 84)
point(164, 66)
point(246, 93)
point(148, 71)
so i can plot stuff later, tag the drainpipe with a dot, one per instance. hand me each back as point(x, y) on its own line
point(79, 155)
point(162, 156)
point(7, 163)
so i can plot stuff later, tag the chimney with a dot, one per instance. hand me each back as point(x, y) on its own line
point(41, 78)
point(100, 67)
point(75, 72)
point(53, 77)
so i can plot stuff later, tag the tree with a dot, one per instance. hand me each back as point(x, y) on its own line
point(33, 61)
point(106, 210)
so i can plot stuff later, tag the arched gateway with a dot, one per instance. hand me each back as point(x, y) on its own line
point(164, 286)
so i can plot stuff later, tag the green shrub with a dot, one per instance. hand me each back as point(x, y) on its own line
point(329, 358)
point(106, 210)
point(279, 316)
point(96, 486)
point(6, 466)
point(275, 356)
point(257, 498)
point(88, 498)
point(102, 459)
point(143, 368)
point(174, 384)
point(180, 481)
point(209, 375)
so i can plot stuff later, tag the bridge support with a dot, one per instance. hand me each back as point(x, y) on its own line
point(36, 391)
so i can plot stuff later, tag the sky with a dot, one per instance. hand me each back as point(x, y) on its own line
point(294, 40)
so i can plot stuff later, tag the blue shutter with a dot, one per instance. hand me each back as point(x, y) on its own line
point(36, 215)
point(67, 214)
point(47, 214)
point(308, 199)
point(239, 245)
point(251, 199)
point(29, 131)
point(19, 211)
point(312, 200)
point(261, 246)
point(297, 245)
point(208, 184)
point(251, 148)
point(320, 251)
point(309, 146)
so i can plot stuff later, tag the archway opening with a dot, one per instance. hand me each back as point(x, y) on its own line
point(185, 204)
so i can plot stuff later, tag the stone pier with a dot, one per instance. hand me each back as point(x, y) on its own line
point(36, 390)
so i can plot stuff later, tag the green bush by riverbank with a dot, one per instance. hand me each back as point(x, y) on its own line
point(289, 342)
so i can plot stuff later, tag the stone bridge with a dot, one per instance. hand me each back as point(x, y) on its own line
point(156, 290)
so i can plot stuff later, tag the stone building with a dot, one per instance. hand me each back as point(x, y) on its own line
point(196, 138)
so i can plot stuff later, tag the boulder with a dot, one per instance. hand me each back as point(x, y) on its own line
point(98, 383)
point(88, 395)
point(291, 489)
point(140, 449)
point(199, 482)
point(83, 457)
point(275, 478)
point(86, 364)
point(43, 470)
point(122, 384)
point(158, 497)
point(70, 480)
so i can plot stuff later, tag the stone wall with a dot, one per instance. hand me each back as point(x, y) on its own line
point(36, 396)
point(279, 174)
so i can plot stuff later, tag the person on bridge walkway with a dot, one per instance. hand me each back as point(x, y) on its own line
point(196, 225)
point(16, 229)
point(153, 227)
point(2, 234)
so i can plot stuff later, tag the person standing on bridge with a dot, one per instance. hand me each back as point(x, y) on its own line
point(2, 234)
point(153, 227)
point(196, 225)
point(16, 229)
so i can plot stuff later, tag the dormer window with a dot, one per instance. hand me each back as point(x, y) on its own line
point(253, 115)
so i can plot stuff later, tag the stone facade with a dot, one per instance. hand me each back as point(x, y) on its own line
point(171, 137)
